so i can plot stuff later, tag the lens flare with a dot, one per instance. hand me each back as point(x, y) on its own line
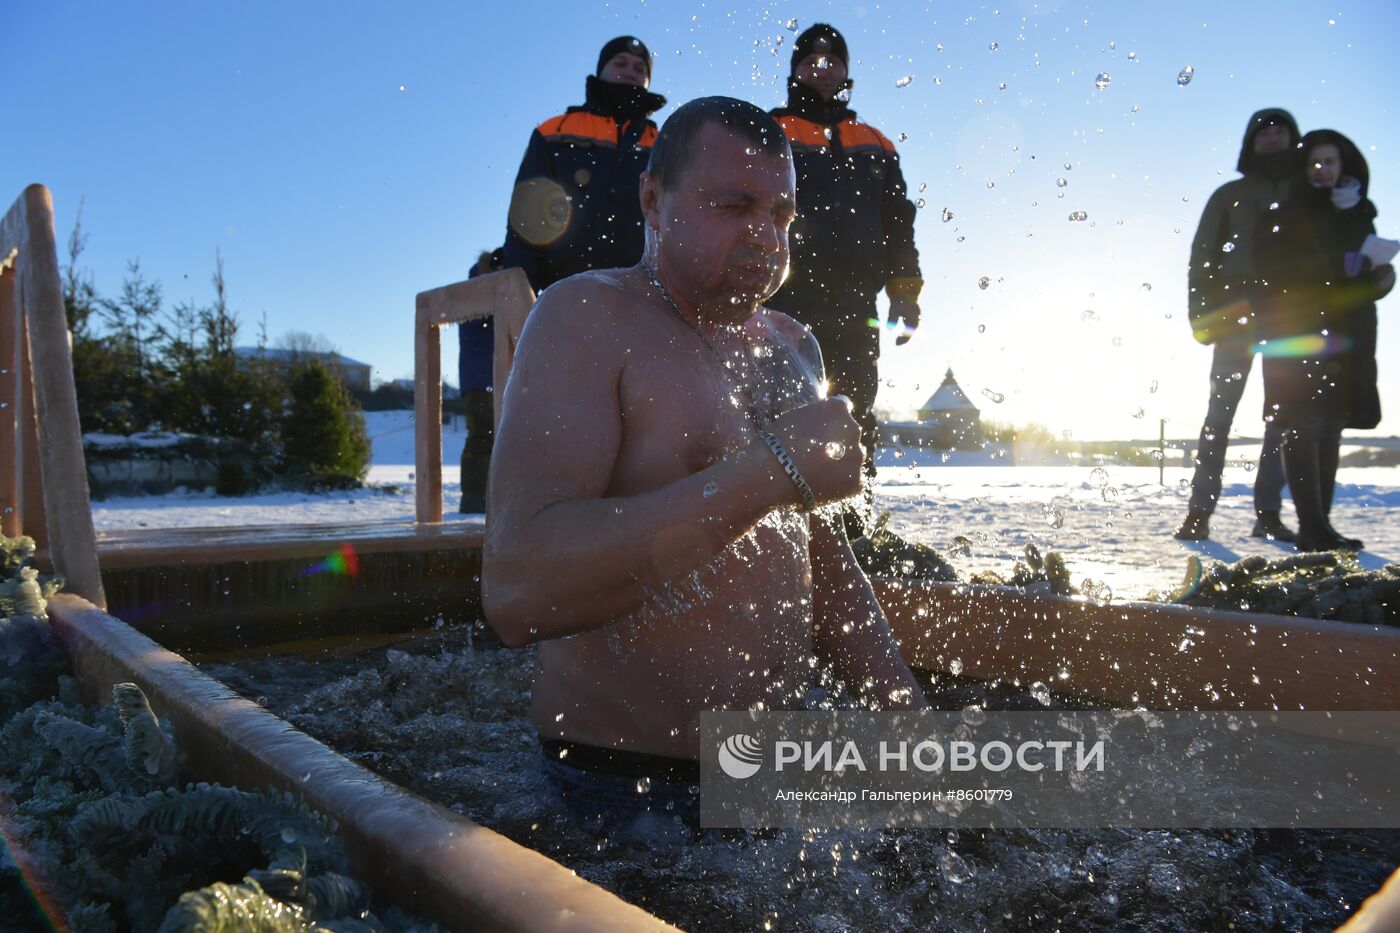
point(342, 563)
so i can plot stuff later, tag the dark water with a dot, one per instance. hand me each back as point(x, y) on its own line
point(448, 717)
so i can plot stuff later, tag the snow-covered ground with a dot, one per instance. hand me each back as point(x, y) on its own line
point(1113, 524)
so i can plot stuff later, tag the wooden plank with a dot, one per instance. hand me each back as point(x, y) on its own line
point(1160, 656)
point(9, 407)
point(157, 547)
point(414, 852)
point(1380, 913)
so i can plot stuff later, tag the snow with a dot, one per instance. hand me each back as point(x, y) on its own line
point(1114, 527)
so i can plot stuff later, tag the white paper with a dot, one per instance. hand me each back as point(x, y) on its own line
point(1378, 250)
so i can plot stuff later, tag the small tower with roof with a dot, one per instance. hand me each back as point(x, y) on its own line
point(951, 416)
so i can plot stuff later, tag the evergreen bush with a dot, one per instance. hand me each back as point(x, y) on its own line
point(324, 442)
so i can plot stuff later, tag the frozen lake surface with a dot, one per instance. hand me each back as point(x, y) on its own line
point(1112, 523)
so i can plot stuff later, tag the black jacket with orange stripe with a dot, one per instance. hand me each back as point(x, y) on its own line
point(854, 232)
point(575, 204)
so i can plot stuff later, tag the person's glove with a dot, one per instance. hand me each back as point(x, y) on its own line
point(904, 307)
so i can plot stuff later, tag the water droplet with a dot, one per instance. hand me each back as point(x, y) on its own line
point(1110, 494)
point(1078, 216)
point(994, 395)
point(947, 215)
point(1089, 316)
point(1054, 517)
point(710, 489)
point(992, 47)
point(1147, 286)
point(1069, 167)
point(1041, 693)
point(1139, 413)
point(984, 282)
point(1098, 476)
point(955, 667)
point(904, 81)
point(1061, 182)
point(402, 88)
point(991, 184)
point(903, 137)
point(953, 868)
point(1249, 466)
point(289, 835)
point(960, 546)
point(1134, 108)
point(1102, 81)
point(1153, 388)
point(844, 96)
point(644, 785)
point(835, 450)
point(1132, 56)
point(919, 202)
point(1184, 78)
point(981, 328)
point(1227, 247)
point(974, 715)
point(792, 25)
point(961, 238)
point(938, 47)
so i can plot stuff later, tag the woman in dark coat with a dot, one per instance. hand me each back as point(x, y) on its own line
point(1317, 324)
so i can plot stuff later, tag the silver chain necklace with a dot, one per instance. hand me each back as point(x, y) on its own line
point(724, 362)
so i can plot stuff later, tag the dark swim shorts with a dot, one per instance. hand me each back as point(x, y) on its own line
point(614, 785)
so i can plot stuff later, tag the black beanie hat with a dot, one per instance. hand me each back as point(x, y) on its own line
point(630, 44)
point(819, 37)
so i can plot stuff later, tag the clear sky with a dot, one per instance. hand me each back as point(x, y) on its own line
point(344, 155)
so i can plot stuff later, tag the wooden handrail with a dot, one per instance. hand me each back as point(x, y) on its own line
point(504, 295)
point(43, 477)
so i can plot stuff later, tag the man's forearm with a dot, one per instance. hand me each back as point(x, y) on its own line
point(850, 630)
point(577, 565)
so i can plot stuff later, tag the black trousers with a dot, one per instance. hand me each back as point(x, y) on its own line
point(476, 455)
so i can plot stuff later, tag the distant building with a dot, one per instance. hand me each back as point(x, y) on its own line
point(950, 408)
point(449, 392)
point(353, 373)
point(947, 421)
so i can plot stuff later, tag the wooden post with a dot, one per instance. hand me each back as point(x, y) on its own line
point(427, 421)
point(31, 477)
point(1162, 449)
point(52, 498)
point(9, 405)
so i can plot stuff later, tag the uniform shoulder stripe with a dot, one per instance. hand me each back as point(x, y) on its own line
point(854, 133)
point(802, 132)
point(582, 126)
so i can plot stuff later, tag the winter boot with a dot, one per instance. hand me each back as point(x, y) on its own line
point(1300, 466)
point(1270, 525)
point(1328, 455)
point(1196, 527)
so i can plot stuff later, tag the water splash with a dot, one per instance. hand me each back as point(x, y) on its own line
point(1184, 78)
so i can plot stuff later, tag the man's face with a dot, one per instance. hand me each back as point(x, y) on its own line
point(723, 232)
point(1325, 165)
point(1273, 138)
point(626, 68)
point(822, 72)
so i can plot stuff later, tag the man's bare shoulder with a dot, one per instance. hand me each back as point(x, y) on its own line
point(588, 306)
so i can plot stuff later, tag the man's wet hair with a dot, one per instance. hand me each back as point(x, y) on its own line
point(675, 147)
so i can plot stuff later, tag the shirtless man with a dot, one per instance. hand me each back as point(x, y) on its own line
point(641, 530)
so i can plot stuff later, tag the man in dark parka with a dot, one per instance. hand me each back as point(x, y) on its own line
point(854, 233)
point(1221, 283)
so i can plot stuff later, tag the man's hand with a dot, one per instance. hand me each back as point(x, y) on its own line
point(904, 314)
point(824, 442)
